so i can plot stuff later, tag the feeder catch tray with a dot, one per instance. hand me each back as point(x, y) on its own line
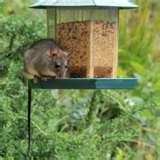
point(84, 83)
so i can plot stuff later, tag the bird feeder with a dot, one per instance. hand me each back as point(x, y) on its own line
point(88, 31)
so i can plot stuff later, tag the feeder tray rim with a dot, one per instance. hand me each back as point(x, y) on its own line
point(87, 83)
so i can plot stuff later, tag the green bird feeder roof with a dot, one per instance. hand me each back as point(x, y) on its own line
point(122, 4)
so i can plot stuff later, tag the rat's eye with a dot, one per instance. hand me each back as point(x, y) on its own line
point(66, 67)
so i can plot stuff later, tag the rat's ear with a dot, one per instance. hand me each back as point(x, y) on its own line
point(66, 53)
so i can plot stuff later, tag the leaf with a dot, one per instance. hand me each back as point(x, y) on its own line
point(139, 68)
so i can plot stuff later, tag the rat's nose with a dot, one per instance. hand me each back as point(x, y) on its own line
point(57, 65)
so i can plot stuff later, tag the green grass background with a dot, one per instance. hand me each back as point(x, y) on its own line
point(82, 125)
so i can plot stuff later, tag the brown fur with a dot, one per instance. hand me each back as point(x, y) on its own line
point(45, 58)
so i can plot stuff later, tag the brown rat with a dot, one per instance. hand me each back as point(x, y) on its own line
point(45, 58)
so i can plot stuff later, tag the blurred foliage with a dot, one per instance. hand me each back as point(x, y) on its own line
point(81, 125)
